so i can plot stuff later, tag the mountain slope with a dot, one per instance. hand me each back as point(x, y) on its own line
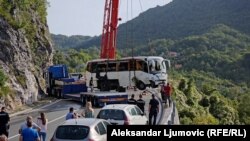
point(222, 51)
point(63, 42)
point(181, 18)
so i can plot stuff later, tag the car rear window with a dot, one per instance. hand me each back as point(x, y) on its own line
point(73, 132)
point(111, 114)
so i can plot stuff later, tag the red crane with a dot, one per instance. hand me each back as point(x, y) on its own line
point(109, 32)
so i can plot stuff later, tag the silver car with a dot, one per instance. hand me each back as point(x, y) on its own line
point(123, 114)
point(86, 129)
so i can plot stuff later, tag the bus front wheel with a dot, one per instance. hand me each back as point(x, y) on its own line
point(152, 84)
point(140, 85)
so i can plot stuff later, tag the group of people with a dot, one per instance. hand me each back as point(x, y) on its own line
point(87, 113)
point(35, 131)
point(153, 106)
point(166, 93)
point(28, 131)
point(153, 103)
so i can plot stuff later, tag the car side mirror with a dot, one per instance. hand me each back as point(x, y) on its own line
point(142, 114)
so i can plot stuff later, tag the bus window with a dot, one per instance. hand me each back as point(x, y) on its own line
point(123, 66)
point(112, 66)
point(89, 68)
point(157, 65)
point(141, 65)
point(151, 65)
point(145, 67)
point(93, 67)
point(132, 64)
point(101, 67)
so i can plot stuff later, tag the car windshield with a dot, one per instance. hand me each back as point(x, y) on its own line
point(73, 132)
point(111, 114)
point(157, 66)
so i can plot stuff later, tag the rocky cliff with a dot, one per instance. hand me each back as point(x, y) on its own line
point(25, 50)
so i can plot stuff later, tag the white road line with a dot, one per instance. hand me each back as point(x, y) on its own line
point(48, 123)
point(32, 110)
point(51, 104)
point(13, 137)
point(56, 119)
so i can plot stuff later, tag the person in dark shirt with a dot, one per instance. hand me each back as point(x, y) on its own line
point(132, 100)
point(141, 103)
point(153, 110)
point(4, 122)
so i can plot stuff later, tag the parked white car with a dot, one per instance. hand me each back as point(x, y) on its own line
point(123, 114)
point(86, 129)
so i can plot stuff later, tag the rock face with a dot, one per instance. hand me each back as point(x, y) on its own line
point(24, 57)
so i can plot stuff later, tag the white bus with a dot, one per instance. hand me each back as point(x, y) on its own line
point(141, 71)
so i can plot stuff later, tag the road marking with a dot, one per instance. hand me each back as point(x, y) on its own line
point(48, 123)
point(13, 137)
point(51, 104)
point(56, 119)
point(32, 110)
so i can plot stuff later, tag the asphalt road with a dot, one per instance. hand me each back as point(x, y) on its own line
point(56, 113)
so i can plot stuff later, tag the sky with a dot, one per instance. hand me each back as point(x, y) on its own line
point(85, 17)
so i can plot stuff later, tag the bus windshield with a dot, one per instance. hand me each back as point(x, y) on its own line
point(157, 66)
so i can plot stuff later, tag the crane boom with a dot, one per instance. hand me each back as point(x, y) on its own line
point(109, 32)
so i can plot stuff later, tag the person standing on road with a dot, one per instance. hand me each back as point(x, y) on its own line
point(42, 122)
point(167, 91)
point(4, 122)
point(70, 115)
point(132, 100)
point(89, 111)
point(153, 110)
point(141, 103)
point(29, 134)
point(24, 125)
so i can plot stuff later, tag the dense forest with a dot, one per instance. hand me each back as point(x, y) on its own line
point(208, 44)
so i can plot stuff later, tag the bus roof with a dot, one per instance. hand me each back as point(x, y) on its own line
point(127, 58)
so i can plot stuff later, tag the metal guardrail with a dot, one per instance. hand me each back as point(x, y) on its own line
point(171, 116)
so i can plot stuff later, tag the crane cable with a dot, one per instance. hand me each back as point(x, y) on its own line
point(144, 24)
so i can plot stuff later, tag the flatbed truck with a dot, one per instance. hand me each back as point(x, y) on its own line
point(60, 85)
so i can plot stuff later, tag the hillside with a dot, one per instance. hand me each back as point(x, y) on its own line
point(25, 50)
point(64, 42)
point(208, 43)
point(181, 18)
point(222, 51)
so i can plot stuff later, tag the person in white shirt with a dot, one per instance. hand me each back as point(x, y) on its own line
point(42, 122)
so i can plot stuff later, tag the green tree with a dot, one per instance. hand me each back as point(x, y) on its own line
point(244, 109)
